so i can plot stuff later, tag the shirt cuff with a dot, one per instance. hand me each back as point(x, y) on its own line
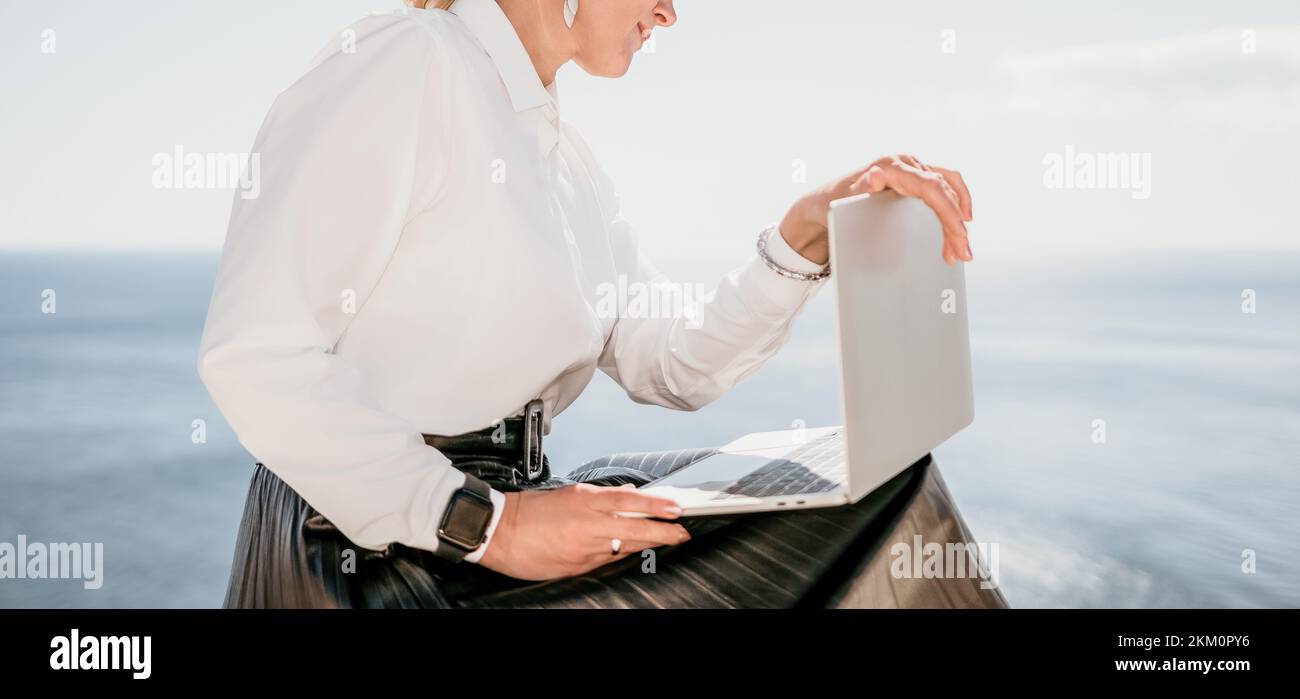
point(782, 254)
point(498, 507)
point(782, 295)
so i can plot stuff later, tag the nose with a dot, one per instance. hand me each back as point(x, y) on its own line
point(665, 14)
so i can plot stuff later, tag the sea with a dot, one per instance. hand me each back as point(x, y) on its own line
point(1136, 441)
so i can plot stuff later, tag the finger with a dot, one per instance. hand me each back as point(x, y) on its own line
point(873, 181)
point(659, 533)
point(942, 200)
point(958, 239)
point(632, 500)
point(957, 247)
point(631, 547)
point(931, 188)
point(915, 162)
point(877, 179)
point(607, 556)
point(954, 244)
point(956, 181)
point(950, 193)
point(604, 548)
point(951, 214)
point(904, 178)
point(961, 249)
point(602, 551)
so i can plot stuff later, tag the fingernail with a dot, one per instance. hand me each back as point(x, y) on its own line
point(970, 255)
point(673, 510)
point(685, 536)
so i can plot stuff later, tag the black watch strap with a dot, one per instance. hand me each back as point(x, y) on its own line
point(475, 494)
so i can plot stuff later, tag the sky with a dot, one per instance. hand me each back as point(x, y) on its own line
point(708, 134)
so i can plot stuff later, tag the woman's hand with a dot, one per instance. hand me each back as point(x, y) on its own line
point(547, 534)
point(943, 190)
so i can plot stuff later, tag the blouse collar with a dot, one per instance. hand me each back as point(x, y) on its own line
point(492, 28)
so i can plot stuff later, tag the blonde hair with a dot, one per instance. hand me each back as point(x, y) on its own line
point(430, 4)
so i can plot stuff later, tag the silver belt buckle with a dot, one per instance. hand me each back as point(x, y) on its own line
point(533, 439)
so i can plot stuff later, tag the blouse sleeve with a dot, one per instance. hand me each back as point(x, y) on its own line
point(689, 359)
point(345, 159)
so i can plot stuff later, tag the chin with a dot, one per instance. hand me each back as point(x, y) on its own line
point(612, 67)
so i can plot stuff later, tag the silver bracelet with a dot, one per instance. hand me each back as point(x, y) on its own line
point(785, 271)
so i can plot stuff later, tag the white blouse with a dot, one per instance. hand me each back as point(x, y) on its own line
point(431, 249)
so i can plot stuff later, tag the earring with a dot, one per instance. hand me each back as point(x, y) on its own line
point(570, 12)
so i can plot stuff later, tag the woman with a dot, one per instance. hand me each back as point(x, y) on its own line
point(412, 297)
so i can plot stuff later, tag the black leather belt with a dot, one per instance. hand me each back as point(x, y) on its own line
point(514, 437)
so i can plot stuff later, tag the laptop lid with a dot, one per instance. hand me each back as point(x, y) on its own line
point(903, 332)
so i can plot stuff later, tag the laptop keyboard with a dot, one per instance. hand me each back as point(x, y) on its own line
point(815, 467)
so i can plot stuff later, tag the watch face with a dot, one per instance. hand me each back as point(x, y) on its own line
point(466, 520)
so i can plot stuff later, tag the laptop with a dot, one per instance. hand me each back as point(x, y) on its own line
point(905, 374)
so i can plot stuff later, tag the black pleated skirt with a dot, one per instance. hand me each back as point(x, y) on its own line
point(290, 556)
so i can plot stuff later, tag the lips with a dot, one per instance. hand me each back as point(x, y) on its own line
point(644, 31)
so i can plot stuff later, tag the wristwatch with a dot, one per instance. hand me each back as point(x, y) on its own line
point(466, 519)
